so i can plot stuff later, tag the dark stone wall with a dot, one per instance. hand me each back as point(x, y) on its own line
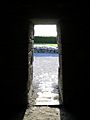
point(14, 63)
point(30, 57)
point(76, 57)
point(74, 22)
point(60, 79)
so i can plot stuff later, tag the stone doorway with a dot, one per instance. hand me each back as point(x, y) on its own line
point(45, 65)
point(38, 105)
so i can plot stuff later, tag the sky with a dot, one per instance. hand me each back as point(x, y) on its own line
point(45, 30)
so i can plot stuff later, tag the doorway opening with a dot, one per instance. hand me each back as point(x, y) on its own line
point(45, 65)
point(43, 72)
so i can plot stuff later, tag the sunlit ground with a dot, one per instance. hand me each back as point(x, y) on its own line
point(54, 45)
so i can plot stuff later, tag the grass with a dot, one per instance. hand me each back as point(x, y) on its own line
point(54, 45)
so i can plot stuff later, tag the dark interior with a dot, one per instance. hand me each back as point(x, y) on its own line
point(74, 24)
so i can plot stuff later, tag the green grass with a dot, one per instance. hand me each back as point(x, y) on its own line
point(43, 40)
point(54, 45)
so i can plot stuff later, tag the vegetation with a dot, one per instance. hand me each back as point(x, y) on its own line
point(54, 45)
point(45, 40)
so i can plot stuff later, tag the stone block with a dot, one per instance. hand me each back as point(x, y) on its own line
point(30, 76)
point(30, 58)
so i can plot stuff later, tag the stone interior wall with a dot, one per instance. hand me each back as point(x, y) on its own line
point(30, 56)
point(60, 80)
point(74, 26)
point(14, 64)
point(75, 63)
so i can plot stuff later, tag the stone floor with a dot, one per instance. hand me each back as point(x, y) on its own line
point(45, 89)
point(45, 79)
point(45, 86)
point(42, 113)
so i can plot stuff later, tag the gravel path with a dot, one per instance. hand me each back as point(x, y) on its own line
point(45, 78)
point(45, 73)
point(45, 70)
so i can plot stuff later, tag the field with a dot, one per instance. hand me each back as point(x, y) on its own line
point(43, 40)
point(51, 45)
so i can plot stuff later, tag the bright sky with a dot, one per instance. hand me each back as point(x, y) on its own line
point(45, 30)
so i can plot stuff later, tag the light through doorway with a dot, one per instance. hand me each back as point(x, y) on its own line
point(43, 96)
point(45, 65)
